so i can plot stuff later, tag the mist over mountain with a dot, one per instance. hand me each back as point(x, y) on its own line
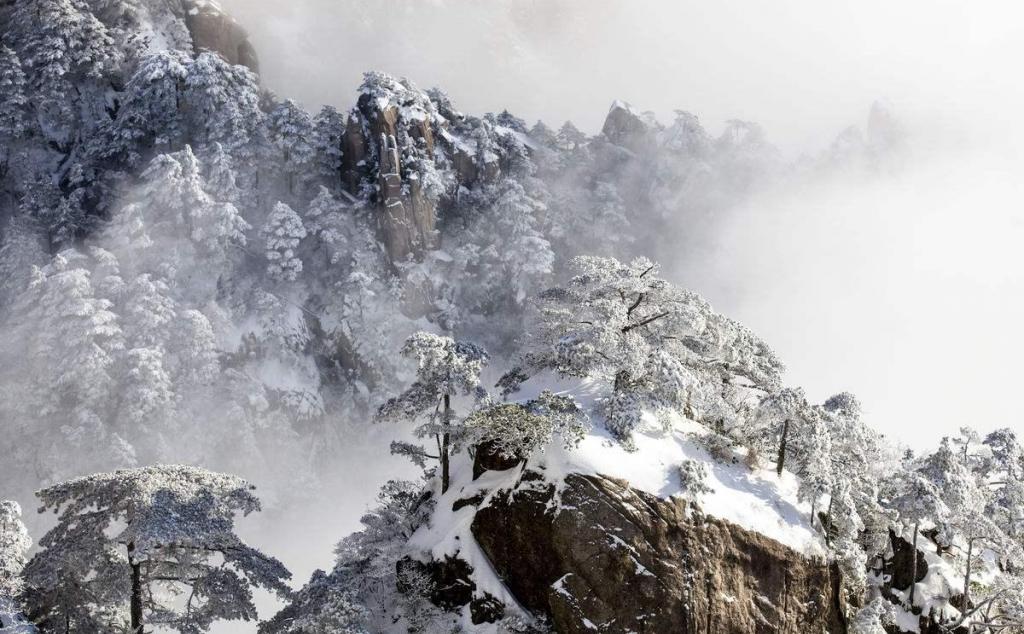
point(474, 350)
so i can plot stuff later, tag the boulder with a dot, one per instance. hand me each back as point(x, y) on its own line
point(627, 127)
point(487, 457)
point(602, 556)
point(451, 587)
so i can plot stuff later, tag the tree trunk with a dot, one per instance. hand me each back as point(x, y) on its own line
point(913, 572)
point(136, 600)
point(445, 442)
point(782, 448)
point(967, 576)
point(828, 521)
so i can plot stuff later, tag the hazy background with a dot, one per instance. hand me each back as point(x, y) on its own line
point(906, 288)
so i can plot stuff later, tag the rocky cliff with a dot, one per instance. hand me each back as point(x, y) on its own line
point(214, 30)
point(608, 558)
point(597, 555)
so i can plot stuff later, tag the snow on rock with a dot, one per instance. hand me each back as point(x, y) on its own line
point(756, 500)
point(449, 531)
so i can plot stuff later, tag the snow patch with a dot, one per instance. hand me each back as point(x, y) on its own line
point(757, 500)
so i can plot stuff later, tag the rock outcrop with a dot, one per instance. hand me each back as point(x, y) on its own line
point(214, 30)
point(898, 573)
point(600, 556)
point(627, 127)
point(415, 152)
point(390, 138)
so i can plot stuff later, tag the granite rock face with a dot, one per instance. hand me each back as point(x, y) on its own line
point(627, 127)
point(601, 556)
point(214, 30)
point(390, 138)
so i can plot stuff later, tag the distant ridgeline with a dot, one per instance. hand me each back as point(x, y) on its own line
point(194, 271)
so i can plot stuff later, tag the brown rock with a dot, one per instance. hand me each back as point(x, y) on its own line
point(630, 129)
point(406, 217)
point(623, 561)
point(488, 458)
point(213, 30)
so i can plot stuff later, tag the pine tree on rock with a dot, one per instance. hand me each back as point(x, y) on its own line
point(362, 590)
point(447, 369)
point(661, 348)
point(281, 235)
point(517, 430)
point(150, 547)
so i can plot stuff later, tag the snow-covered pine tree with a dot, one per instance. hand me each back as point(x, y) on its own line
point(14, 102)
point(542, 134)
point(336, 231)
point(127, 543)
point(814, 462)
point(446, 369)
point(291, 134)
point(1001, 471)
point(659, 347)
point(516, 431)
point(224, 107)
point(151, 118)
point(281, 236)
point(846, 527)
point(569, 137)
point(873, 618)
point(220, 175)
point(782, 413)
point(328, 132)
point(362, 589)
point(64, 51)
point(71, 377)
point(172, 208)
point(14, 545)
point(917, 500)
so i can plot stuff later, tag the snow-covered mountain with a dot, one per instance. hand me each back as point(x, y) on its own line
point(194, 270)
